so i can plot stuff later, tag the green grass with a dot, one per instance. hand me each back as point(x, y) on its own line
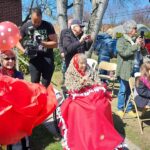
point(41, 139)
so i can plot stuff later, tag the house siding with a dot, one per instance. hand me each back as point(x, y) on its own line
point(11, 10)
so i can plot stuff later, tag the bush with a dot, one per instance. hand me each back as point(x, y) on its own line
point(22, 66)
point(147, 35)
point(57, 59)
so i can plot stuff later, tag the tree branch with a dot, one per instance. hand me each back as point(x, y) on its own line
point(70, 6)
point(28, 15)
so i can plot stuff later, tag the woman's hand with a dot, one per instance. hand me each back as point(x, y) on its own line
point(84, 79)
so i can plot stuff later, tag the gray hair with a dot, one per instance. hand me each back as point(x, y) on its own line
point(129, 25)
point(82, 56)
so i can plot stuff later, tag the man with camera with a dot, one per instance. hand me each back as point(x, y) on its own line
point(75, 41)
point(41, 39)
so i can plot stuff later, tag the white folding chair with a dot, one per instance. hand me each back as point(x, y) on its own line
point(92, 63)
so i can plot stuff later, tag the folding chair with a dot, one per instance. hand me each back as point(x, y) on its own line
point(110, 67)
point(131, 99)
point(92, 63)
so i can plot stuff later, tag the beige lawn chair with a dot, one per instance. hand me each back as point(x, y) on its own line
point(131, 99)
point(110, 67)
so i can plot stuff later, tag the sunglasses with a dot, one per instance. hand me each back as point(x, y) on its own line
point(9, 58)
point(135, 28)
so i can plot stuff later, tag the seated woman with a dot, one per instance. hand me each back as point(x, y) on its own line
point(142, 98)
point(8, 67)
point(23, 105)
point(85, 116)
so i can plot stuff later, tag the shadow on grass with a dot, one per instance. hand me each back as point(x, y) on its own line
point(41, 138)
point(146, 116)
point(119, 125)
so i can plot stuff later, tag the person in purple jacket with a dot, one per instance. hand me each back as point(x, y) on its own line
point(142, 87)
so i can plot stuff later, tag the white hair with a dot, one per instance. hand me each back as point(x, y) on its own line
point(82, 56)
point(129, 25)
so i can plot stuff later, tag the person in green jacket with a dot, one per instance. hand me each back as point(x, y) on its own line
point(127, 48)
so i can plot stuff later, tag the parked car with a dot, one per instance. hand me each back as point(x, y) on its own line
point(147, 44)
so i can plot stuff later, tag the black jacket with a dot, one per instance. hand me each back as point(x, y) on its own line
point(72, 46)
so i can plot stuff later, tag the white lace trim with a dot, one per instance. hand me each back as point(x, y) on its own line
point(64, 129)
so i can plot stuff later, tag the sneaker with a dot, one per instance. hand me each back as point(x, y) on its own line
point(132, 114)
point(57, 138)
point(120, 113)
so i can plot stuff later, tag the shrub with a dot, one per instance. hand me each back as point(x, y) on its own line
point(57, 59)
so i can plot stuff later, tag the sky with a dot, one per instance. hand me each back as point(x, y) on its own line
point(115, 11)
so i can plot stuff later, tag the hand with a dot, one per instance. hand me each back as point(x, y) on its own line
point(62, 55)
point(84, 38)
point(84, 79)
point(143, 44)
point(139, 41)
point(26, 52)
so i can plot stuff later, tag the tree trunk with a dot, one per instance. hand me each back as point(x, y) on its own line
point(96, 20)
point(78, 9)
point(62, 13)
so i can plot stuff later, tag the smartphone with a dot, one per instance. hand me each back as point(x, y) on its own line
point(142, 34)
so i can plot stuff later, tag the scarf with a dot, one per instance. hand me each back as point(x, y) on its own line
point(8, 72)
point(145, 81)
point(74, 76)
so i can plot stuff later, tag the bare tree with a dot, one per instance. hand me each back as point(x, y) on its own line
point(62, 13)
point(142, 15)
point(29, 12)
point(47, 7)
point(96, 20)
point(78, 9)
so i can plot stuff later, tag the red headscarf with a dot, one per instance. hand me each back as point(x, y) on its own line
point(76, 64)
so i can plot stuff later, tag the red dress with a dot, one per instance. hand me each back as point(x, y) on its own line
point(23, 106)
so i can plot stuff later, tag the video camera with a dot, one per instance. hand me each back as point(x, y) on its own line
point(33, 42)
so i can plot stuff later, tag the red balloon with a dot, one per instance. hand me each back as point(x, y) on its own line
point(9, 35)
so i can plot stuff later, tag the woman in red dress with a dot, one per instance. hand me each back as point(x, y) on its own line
point(85, 116)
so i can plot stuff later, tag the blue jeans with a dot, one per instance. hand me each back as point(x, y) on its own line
point(123, 95)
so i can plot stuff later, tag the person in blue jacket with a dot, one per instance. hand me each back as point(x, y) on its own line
point(106, 47)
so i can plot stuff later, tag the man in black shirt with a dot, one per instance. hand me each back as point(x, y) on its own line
point(42, 62)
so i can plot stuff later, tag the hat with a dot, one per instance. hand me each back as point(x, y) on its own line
point(8, 52)
point(137, 74)
point(77, 22)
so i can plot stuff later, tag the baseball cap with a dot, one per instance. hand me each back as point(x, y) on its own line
point(77, 22)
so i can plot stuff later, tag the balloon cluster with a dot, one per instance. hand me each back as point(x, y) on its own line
point(9, 35)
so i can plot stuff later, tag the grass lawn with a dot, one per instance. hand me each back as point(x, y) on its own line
point(41, 139)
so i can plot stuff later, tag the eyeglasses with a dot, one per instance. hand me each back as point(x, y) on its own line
point(135, 28)
point(9, 58)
